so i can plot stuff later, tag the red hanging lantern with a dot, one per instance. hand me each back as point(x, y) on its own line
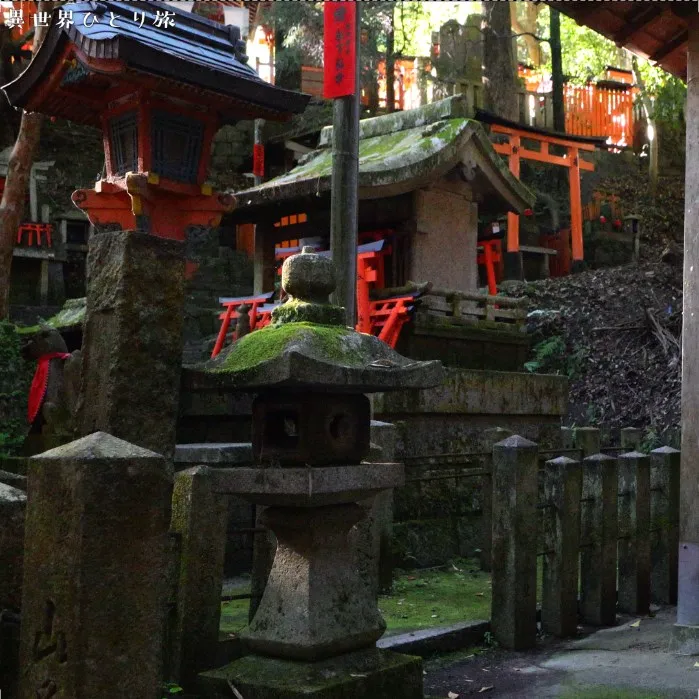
point(603, 219)
point(528, 212)
point(618, 224)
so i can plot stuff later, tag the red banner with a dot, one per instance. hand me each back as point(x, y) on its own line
point(339, 57)
point(258, 160)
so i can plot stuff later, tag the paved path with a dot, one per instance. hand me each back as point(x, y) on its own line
point(624, 662)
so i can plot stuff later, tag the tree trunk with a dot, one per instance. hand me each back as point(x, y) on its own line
point(559, 115)
point(17, 184)
point(526, 28)
point(390, 65)
point(652, 128)
point(499, 76)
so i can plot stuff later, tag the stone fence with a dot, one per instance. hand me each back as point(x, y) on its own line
point(444, 509)
point(605, 526)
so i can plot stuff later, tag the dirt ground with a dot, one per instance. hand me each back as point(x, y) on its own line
point(629, 661)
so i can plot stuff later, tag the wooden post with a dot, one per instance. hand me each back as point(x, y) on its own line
point(344, 202)
point(264, 262)
point(687, 636)
point(488, 440)
point(562, 483)
point(515, 495)
point(664, 513)
point(513, 219)
point(634, 539)
point(599, 540)
point(575, 205)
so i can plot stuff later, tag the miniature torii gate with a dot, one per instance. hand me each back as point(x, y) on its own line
point(515, 152)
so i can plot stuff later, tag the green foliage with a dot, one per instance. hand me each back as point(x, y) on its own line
point(666, 92)
point(552, 356)
point(15, 379)
point(171, 690)
point(652, 439)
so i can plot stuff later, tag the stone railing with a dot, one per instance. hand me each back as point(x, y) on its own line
point(586, 510)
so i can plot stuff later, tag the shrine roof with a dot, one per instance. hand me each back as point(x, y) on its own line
point(194, 53)
point(399, 153)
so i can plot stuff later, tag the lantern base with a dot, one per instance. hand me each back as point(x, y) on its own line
point(145, 202)
point(366, 674)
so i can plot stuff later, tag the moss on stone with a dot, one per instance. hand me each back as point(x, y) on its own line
point(328, 342)
point(72, 314)
point(295, 311)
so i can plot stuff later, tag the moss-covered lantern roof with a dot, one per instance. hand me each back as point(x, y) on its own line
point(307, 346)
point(399, 153)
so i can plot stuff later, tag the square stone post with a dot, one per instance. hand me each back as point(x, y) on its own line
point(489, 438)
point(634, 533)
point(589, 440)
point(664, 514)
point(562, 479)
point(515, 495)
point(132, 346)
point(199, 517)
point(631, 438)
point(599, 540)
point(13, 503)
point(94, 592)
point(371, 537)
point(686, 632)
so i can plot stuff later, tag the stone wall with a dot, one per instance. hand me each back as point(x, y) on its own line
point(441, 518)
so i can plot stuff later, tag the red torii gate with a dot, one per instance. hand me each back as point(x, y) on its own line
point(515, 152)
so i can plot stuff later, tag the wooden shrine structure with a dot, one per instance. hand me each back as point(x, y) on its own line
point(426, 176)
point(516, 148)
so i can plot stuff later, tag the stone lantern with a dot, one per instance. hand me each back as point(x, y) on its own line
point(158, 82)
point(310, 433)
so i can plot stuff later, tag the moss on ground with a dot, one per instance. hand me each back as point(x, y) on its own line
point(609, 693)
point(421, 599)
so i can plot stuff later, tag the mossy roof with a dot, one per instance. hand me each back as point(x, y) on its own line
point(70, 317)
point(399, 153)
point(308, 355)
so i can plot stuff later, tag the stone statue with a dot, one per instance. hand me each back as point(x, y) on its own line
point(54, 392)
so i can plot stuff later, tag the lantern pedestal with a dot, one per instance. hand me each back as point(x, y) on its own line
point(132, 346)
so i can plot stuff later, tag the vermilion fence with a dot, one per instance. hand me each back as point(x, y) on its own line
point(592, 110)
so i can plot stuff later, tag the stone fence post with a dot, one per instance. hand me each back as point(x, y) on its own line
point(631, 438)
point(599, 540)
point(664, 514)
point(634, 533)
point(95, 583)
point(515, 495)
point(562, 484)
point(588, 439)
point(489, 438)
point(199, 517)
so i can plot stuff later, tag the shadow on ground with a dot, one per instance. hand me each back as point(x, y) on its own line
point(628, 661)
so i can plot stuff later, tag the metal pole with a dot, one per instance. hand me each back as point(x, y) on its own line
point(343, 197)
